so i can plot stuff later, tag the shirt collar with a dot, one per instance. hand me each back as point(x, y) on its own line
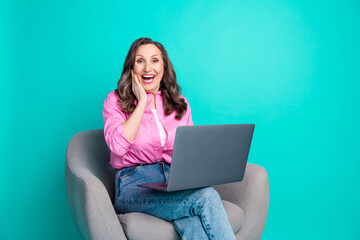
point(149, 95)
point(158, 93)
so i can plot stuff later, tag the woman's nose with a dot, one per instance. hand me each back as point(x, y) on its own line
point(147, 67)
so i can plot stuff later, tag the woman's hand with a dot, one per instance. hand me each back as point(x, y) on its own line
point(132, 124)
point(138, 89)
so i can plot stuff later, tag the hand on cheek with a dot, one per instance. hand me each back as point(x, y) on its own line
point(138, 88)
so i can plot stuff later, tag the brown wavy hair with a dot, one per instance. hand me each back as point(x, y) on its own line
point(168, 85)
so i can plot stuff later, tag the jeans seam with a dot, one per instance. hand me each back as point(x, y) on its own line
point(204, 220)
point(181, 230)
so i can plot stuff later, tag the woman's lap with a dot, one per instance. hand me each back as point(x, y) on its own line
point(166, 205)
point(189, 210)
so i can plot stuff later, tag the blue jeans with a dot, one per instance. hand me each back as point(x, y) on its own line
point(195, 214)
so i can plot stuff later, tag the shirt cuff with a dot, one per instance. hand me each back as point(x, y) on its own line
point(121, 139)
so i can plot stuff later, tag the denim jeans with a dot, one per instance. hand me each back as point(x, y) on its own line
point(195, 214)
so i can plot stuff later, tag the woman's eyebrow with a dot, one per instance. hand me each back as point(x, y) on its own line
point(143, 56)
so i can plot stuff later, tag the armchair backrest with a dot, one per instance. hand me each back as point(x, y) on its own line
point(87, 151)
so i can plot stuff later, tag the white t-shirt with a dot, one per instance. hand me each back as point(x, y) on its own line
point(160, 127)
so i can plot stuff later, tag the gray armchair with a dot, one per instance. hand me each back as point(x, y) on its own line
point(90, 184)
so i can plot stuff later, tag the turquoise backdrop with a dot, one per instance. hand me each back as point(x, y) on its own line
point(290, 67)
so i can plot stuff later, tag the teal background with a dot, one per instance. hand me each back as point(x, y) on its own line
point(290, 67)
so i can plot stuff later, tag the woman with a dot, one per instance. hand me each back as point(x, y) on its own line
point(140, 121)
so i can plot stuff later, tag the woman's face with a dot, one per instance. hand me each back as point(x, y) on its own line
point(149, 67)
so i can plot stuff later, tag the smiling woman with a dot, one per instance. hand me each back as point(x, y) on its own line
point(140, 118)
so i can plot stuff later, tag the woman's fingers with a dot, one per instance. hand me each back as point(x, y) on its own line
point(137, 88)
point(137, 80)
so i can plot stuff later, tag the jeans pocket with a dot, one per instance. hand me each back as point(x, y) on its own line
point(126, 172)
point(122, 175)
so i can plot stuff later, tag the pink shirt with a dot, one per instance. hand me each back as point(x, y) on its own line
point(146, 147)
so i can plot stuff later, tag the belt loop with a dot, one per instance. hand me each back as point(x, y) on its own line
point(162, 167)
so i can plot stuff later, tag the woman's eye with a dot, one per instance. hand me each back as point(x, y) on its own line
point(155, 60)
point(139, 61)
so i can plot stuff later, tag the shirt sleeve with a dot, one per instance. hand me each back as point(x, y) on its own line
point(113, 118)
point(188, 116)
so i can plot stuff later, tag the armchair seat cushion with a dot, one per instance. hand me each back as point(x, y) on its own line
point(143, 226)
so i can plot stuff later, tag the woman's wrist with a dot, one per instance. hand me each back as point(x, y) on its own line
point(142, 103)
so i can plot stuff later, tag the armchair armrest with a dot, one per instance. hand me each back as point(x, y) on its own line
point(91, 207)
point(252, 195)
point(88, 198)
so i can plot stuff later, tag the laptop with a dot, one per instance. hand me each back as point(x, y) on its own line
point(207, 155)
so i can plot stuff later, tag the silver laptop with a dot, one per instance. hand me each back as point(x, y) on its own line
point(207, 155)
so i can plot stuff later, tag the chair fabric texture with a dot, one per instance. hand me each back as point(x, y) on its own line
point(90, 191)
point(143, 226)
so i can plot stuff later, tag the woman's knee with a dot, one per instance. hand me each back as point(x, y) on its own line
point(206, 198)
point(209, 194)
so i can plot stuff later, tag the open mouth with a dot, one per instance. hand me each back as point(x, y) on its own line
point(148, 78)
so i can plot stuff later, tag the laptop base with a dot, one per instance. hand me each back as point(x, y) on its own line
point(160, 186)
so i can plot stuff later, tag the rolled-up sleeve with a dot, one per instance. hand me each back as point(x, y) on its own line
point(113, 118)
point(188, 116)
